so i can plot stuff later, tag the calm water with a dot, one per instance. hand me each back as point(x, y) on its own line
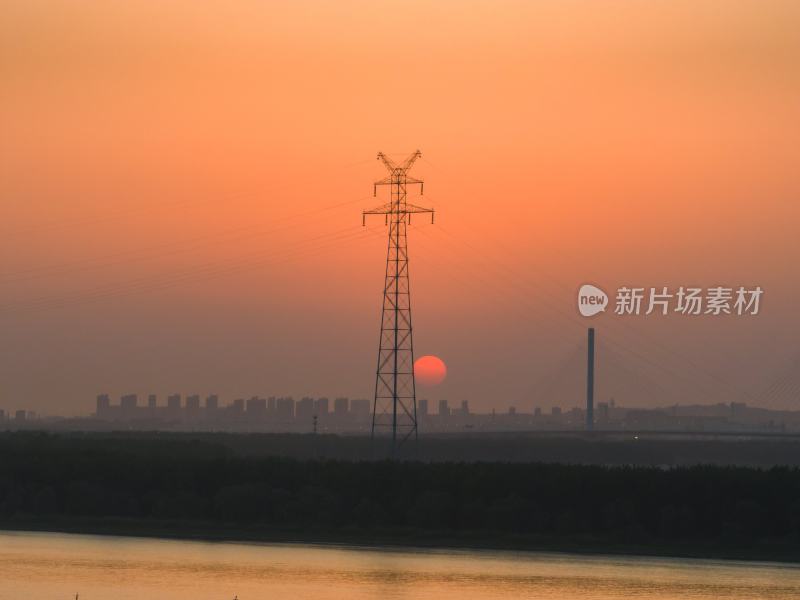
point(53, 566)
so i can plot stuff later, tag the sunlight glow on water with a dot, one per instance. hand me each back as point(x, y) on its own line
point(49, 565)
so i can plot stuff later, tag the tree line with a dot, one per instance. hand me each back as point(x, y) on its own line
point(45, 476)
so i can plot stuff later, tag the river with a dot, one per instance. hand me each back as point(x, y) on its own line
point(55, 566)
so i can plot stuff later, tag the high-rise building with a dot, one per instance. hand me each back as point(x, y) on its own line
point(257, 407)
point(284, 408)
point(103, 405)
point(321, 406)
point(422, 408)
point(359, 409)
point(212, 404)
point(465, 408)
point(193, 406)
point(151, 403)
point(128, 405)
point(341, 407)
point(304, 410)
point(174, 406)
point(444, 410)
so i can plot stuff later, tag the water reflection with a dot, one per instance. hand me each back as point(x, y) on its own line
point(40, 565)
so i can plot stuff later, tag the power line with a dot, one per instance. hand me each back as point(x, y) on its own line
point(307, 247)
point(158, 251)
point(556, 305)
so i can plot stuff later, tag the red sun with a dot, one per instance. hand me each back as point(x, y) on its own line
point(429, 370)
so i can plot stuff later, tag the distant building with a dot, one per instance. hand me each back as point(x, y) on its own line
point(151, 402)
point(603, 411)
point(360, 409)
point(465, 408)
point(257, 407)
point(422, 408)
point(174, 406)
point(304, 410)
point(20, 416)
point(103, 405)
point(321, 407)
point(444, 410)
point(128, 404)
point(556, 411)
point(649, 419)
point(129, 401)
point(237, 406)
point(341, 407)
point(193, 406)
point(284, 409)
point(212, 404)
point(537, 412)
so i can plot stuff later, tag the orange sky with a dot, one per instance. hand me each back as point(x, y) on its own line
point(181, 186)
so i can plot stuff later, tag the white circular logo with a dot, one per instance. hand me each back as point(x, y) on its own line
point(591, 300)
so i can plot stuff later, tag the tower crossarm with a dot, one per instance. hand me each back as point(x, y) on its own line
point(400, 178)
point(402, 167)
point(389, 208)
point(414, 209)
point(384, 209)
point(387, 162)
point(409, 162)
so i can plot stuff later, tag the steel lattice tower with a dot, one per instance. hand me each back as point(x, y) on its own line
point(395, 404)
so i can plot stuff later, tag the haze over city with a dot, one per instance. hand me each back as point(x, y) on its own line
point(214, 236)
point(182, 191)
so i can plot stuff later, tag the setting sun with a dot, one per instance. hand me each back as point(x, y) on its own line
point(430, 370)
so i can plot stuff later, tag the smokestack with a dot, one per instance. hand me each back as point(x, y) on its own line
point(590, 383)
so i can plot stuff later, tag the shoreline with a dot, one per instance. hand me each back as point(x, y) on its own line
point(767, 551)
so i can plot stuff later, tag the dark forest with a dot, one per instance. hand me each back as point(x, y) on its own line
point(194, 487)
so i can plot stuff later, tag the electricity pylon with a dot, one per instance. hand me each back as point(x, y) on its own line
point(395, 404)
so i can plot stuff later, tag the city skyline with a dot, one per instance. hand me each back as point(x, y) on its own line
point(346, 416)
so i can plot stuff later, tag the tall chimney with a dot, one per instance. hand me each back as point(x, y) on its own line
point(590, 383)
